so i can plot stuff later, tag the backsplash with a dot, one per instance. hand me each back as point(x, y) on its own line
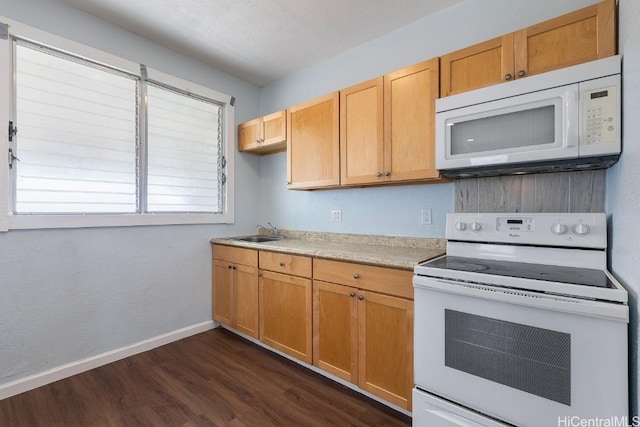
point(582, 191)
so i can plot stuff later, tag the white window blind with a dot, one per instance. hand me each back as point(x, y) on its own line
point(77, 135)
point(184, 135)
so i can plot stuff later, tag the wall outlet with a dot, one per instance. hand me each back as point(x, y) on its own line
point(336, 215)
point(425, 217)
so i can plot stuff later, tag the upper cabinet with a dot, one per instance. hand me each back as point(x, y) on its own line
point(387, 127)
point(313, 143)
point(409, 122)
point(264, 135)
point(584, 35)
point(361, 133)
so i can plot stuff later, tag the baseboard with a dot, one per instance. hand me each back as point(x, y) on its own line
point(51, 375)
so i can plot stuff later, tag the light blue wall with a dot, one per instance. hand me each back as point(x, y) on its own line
point(623, 181)
point(385, 210)
point(70, 294)
point(393, 211)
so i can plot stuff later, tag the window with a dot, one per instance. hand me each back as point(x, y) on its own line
point(102, 141)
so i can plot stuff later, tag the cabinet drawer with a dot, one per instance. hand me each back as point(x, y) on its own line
point(236, 255)
point(284, 263)
point(380, 279)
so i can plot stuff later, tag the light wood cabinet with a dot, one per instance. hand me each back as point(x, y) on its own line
point(264, 135)
point(363, 336)
point(361, 133)
point(387, 128)
point(235, 288)
point(313, 143)
point(285, 321)
point(580, 36)
point(285, 303)
point(409, 122)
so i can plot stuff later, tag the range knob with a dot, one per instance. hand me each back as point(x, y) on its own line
point(461, 226)
point(581, 229)
point(558, 229)
point(475, 226)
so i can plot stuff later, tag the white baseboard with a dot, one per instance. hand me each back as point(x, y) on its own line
point(51, 375)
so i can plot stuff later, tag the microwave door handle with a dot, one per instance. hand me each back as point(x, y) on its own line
point(572, 119)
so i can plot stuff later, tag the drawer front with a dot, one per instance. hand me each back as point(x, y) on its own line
point(379, 279)
point(236, 255)
point(295, 265)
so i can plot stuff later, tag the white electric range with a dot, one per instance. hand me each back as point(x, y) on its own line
point(520, 323)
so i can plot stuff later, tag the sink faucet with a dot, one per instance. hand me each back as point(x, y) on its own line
point(274, 230)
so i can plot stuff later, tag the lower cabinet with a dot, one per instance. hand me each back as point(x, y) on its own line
point(362, 336)
point(285, 303)
point(351, 320)
point(235, 288)
point(285, 323)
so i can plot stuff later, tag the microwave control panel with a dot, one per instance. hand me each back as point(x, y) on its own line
point(599, 115)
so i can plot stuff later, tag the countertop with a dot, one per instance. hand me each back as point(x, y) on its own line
point(387, 251)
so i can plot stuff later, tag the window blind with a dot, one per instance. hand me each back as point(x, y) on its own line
point(77, 135)
point(184, 135)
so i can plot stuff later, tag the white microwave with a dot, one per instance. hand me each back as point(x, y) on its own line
point(567, 119)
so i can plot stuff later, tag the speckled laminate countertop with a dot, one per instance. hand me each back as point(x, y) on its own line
point(386, 251)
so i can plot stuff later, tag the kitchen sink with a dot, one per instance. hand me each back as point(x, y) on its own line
point(258, 238)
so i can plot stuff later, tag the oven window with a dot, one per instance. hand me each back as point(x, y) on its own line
point(534, 360)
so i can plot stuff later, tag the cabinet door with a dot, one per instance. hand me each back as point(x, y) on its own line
point(335, 330)
point(313, 143)
point(249, 135)
point(223, 301)
point(480, 65)
point(285, 318)
point(385, 335)
point(246, 300)
point(361, 133)
point(584, 35)
point(275, 128)
point(409, 122)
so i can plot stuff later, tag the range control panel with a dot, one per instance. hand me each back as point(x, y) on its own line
point(585, 230)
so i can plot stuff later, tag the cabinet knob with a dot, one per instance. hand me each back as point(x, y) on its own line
point(360, 297)
point(378, 174)
point(508, 76)
point(234, 267)
point(521, 73)
point(282, 264)
point(352, 294)
point(387, 173)
point(229, 267)
point(356, 276)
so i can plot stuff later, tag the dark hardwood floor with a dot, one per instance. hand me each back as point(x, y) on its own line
point(211, 379)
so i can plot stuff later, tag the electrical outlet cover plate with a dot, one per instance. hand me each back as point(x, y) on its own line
point(336, 215)
point(425, 218)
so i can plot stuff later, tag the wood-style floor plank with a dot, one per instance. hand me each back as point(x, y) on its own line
point(211, 379)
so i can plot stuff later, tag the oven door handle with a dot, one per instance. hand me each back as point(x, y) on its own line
point(604, 310)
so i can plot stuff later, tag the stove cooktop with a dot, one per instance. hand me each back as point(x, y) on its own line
point(550, 273)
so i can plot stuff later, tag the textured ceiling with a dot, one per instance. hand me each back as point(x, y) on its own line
point(260, 40)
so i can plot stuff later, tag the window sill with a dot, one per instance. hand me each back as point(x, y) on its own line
point(28, 222)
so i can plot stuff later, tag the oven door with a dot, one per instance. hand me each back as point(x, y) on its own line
point(521, 357)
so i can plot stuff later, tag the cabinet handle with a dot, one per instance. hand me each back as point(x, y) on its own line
point(257, 141)
point(521, 73)
point(259, 275)
point(282, 264)
point(356, 276)
point(360, 297)
point(378, 174)
point(508, 76)
point(352, 294)
point(387, 173)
